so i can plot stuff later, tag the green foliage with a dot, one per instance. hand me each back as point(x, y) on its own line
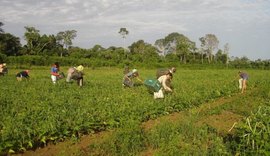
point(65, 38)
point(175, 138)
point(128, 140)
point(3, 58)
point(9, 44)
point(174, 47)
point(255, 133)
point(36, 112)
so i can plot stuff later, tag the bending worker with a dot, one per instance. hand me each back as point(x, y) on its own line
point(76, 73)
point(128, 78)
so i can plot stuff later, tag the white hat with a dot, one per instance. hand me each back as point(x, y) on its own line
point(134, 70)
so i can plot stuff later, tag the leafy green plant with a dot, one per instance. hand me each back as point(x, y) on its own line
point(36, 112)
point(255, 133)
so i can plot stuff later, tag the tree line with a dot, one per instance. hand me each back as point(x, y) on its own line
point(174, 47)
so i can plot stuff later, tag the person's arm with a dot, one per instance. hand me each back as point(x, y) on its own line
point(27, 77)
point(166, 88)
point(54, 72)
point(1, 68)
point(236, 77)
point(138, 78)
point(126, 77)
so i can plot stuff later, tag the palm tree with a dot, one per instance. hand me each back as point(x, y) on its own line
point(123, 32)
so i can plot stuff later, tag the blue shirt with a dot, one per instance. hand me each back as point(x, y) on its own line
point(54, 70)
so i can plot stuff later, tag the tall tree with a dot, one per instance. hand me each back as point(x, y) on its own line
point(226, 52)
point(9, 44)
point(220, 57)
point(123, 32)
point(32, 37)
point(65, 38)
point(47, 45)
point(175, 43)
point(209, 44)
point(1, 29)
point(138, 47)
point(202, 50)
point(161, 46)
point(182, 50)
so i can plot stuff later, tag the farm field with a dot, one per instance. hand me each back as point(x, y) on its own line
point(36, 112)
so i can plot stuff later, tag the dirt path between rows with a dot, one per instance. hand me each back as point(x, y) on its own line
point(222, 122)
point(225, 118)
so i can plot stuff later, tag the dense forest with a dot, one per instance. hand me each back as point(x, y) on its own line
point(175, 48)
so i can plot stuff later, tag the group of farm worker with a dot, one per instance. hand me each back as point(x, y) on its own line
point(19, 76)
point(73, 73)
point(163, 76)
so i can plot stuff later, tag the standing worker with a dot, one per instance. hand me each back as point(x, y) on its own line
point(55, 72)
point(22, 74)
point(242, 81)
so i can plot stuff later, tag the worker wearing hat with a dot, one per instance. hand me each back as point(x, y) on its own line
point(128, 78)
point(75, 73)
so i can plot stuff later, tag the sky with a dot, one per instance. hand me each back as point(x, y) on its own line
point(243, 24)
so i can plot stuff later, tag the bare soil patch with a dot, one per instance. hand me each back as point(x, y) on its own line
point(222, 122)
point(69, 147)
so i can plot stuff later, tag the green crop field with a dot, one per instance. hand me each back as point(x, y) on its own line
point(35, 112)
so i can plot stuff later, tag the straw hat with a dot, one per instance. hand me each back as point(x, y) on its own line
point(134, 70)
point(79, 68)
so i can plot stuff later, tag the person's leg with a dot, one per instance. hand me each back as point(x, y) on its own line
point(19, 78)
point(53, 79)
point(240, 83)
point(80, 82)
point(244, 85)
point(128, 83)
point(68, 77)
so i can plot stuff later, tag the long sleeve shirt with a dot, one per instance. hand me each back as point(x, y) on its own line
point(162, 79)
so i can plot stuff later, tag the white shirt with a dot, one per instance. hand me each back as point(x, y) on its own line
point(162, 79)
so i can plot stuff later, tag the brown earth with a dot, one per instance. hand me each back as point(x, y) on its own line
point(69, 147)
point(223, 122)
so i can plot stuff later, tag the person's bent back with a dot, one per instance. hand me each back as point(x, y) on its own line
point(22, 74)
point(75, 73)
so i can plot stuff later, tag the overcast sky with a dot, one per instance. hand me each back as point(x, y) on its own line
point(244, 24)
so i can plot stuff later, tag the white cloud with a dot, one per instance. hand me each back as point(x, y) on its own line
point(146, 19)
